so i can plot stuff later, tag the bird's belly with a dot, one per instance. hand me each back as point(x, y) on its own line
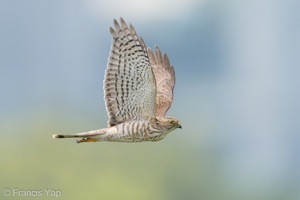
point(136, 131)
point(131, 138)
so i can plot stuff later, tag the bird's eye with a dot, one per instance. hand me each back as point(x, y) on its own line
point(171, 122)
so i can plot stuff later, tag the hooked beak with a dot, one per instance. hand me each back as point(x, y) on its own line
point(179, 125)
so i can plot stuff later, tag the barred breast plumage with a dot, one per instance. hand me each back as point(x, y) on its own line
point(133, 131)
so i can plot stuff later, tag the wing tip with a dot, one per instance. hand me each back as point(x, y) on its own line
point(157, 57)
point(113, 32)
point(122, 20)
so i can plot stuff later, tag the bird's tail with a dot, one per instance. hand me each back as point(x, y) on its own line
point(86, 136)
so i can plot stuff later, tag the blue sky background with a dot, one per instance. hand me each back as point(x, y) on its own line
point(237, 95)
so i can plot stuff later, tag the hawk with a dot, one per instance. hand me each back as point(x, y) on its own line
point(138, 91)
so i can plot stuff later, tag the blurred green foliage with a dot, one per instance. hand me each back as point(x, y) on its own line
point(31, 160)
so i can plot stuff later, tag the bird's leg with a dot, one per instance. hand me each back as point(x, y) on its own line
point(86, 140)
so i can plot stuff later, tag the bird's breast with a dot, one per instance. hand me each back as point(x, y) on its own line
point(134, 131)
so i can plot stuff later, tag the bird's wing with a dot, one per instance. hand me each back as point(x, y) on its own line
point(165, 80)
point(129, 83)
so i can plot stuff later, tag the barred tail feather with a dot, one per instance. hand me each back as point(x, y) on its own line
point(65, 136)
point(78, 135)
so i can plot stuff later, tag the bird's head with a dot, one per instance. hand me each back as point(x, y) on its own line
point(170, 123)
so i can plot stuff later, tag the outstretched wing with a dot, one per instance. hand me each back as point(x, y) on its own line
point(129, 83)
point(165, 80)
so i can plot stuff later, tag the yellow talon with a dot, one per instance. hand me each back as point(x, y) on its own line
point(86, 140)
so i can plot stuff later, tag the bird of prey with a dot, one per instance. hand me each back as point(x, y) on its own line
point(138, 91)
